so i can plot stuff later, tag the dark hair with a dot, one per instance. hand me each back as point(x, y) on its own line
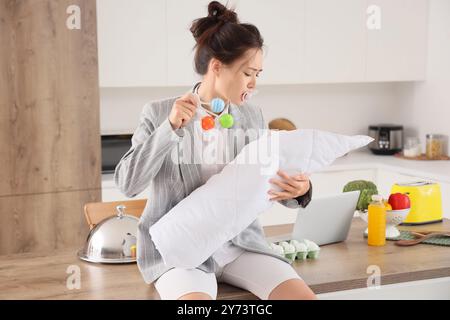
point(220, 35)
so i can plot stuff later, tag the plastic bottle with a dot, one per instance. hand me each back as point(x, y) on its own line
point(377, 222)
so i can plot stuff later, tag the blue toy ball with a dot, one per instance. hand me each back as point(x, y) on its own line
point(217, 105)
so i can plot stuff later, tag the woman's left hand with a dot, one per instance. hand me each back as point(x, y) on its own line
point(292, 186)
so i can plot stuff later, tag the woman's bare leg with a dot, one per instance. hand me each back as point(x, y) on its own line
point(292, 289)
point(195, 296)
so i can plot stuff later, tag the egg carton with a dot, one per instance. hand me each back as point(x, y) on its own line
point(296, 250)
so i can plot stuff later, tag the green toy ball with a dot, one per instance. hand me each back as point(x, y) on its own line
point(226, 121)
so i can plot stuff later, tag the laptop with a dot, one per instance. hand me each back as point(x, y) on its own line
point(325, 219)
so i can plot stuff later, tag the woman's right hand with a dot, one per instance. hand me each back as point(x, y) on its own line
point(183, 110)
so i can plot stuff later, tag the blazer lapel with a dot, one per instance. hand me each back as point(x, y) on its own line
point(190, 172)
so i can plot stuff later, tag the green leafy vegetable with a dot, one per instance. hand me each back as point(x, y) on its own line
point(367, 188)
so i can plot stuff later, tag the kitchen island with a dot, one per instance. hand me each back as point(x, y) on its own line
point(340, 267)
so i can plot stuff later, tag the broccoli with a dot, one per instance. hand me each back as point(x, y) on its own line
point(367, 189)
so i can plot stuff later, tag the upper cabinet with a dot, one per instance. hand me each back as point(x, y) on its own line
point(180, 41)
point(148, 43)
point(335, 41)
point(397, 50)
point(281, 24)
point(365, 40)
point(132, 43)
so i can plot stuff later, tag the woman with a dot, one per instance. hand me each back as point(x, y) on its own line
point(229, 57)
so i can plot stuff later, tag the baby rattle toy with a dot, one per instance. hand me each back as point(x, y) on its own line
point(218, 105)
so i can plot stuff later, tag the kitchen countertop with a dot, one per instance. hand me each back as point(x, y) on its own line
point(365, 159)
point(340, 266)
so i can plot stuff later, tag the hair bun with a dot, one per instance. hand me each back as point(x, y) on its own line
point(219, 12)
point(215, 38)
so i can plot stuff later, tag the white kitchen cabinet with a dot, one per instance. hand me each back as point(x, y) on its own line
point(283, 55)
point(333, 182)
point(111, 193)
point(148, 43)
point(281, 24)
point(277, 214)
point(445, 190)
point(430, 289)
point(181, 42)
point(335, 41)
point(132, 43)
point(397, 51)
point(340, 47)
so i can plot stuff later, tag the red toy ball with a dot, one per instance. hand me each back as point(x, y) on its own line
point(208, 123)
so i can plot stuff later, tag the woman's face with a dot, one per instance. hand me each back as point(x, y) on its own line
point(233, 81)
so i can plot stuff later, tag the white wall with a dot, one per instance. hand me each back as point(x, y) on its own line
point(343, 108)
point(120, 107)
point(426, 104)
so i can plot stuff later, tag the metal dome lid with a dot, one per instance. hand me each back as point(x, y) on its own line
point(113, 240)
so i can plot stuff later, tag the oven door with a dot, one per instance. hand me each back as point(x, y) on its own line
point(114, 148)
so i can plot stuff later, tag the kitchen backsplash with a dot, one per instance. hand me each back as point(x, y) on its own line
point(342, 108)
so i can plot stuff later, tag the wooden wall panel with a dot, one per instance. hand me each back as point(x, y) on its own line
point(54, 117)
point(6, 97)
point(44, 222)
point(50, 144)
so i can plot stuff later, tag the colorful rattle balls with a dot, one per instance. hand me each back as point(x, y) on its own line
point(217, 105)
point(208, 123)
point(226, 121)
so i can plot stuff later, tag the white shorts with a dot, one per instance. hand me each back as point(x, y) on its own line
point(255, 272)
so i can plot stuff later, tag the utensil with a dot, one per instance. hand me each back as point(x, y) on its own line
point(113, 240)
point(421, 236)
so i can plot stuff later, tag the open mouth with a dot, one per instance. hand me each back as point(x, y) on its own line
point(247, 95)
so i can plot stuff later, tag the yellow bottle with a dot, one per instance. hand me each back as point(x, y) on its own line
point(377, 222)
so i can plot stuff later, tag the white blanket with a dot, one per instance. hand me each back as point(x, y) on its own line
point(231, 200)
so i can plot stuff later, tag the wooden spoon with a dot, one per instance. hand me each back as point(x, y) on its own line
point(421, 237)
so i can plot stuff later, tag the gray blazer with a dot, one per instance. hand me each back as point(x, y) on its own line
point(149, 163)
